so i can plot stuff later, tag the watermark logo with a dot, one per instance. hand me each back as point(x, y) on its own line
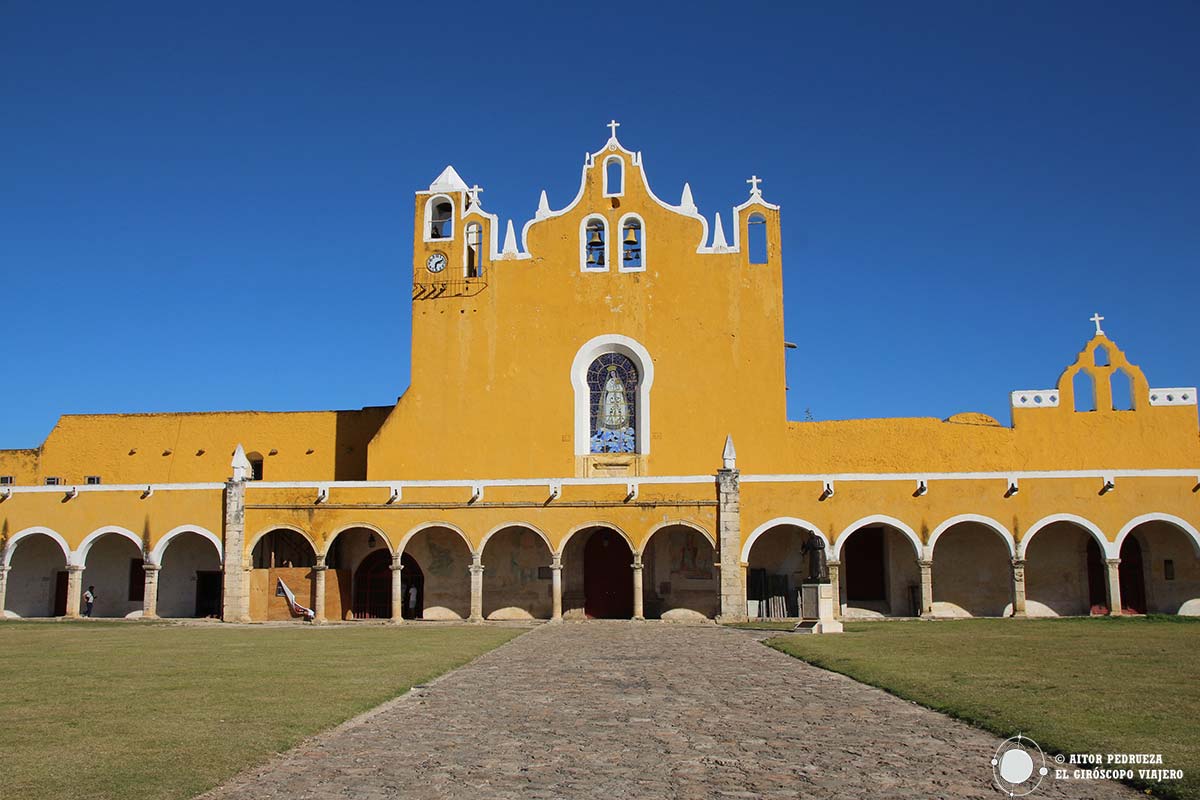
point(1019, 766)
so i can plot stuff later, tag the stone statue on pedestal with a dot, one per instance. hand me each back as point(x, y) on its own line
point(818, 570)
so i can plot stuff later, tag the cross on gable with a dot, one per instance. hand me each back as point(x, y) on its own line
point(613, 125)
point(474, 193)
point(1096, 318)
point(754, 182)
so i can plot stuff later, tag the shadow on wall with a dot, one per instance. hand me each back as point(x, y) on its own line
point(355, 429)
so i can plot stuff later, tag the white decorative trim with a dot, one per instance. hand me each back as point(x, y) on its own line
point(36, 530)
point(424, 526)
point(604, 176)
point(387, 542)
point(621, 242)
point(878, 519)
point(429, 218)
point(775, 523)
point(611, 343)
point(676, 523)
point(988, 522)
point(1183, 525)
point(562, 545)
point(467, 226)
point(122, 487)
point(871, 477)
point(156, 555)
point(510, 241)
point(505, 526)
point(1106, 546)
point(1035, 398)
point(248, 555)
point(1183, 396)
point(583, 265)
point(85, 547)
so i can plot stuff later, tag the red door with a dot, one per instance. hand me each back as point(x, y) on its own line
point(607, 576)
point(373, 587)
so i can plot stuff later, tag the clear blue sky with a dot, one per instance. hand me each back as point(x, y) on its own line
point(204, 207)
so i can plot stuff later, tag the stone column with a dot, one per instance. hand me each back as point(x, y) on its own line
point(926, 587)
point(556, 588)
point(1018, 585)
point(835, 582)
point(638, 611)
point(236, 594)
point(476, 587)
point(150, 594)
point(3, 587)
point(319, 592)
point(1113, 567)
point(397, 591)
point(729, 525)
point(74, 590)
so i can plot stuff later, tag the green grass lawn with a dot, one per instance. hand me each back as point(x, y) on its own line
point(1098, 685)
point(124, 710)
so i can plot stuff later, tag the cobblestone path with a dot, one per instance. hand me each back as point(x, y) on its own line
point(642, 710)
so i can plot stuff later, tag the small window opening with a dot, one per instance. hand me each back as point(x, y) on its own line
point(6, 480)
point(1085, 391)
point(54, 481)
point(256, 466)
point(1168, 569)
point(440, 223)
point(137, 580)
point(1100, 356)
point(756, 233)
point(614, 177)
point(474, 250)
point(92, 480)
point(1122, 391)
point(595, 244)
point(631, 245)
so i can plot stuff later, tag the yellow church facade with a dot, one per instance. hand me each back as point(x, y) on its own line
point(559, 454)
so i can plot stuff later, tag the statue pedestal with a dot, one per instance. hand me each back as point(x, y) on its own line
point(816, 610)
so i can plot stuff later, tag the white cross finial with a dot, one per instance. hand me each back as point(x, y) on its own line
point(1096, 318)
point(754, 182)
point(613, 125)
point(474, 192)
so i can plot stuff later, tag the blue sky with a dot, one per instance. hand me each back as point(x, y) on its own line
point(205, 207)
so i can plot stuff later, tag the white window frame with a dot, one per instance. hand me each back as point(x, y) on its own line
point(583, 265)
point(621, 242)
point(604, 167)
point(429, 204)
point(467, 248)
point(52, 481)
point(589, 352)
point(92, 480)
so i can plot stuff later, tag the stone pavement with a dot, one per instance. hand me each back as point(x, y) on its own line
point(642, 710)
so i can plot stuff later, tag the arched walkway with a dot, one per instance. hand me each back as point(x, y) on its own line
point(1064, 571)
point(679, 577)
point(1168, 574)
point(114, 570)
point(37, 577)
point(352, 592)
point(281, 554)
point(972, 571)
point(776, 566)
point(516, 575)
point(597, 574)
point(444, 559)
point(189, 581)
point(879, 575)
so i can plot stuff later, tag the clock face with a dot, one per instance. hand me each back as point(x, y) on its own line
point(436, 262)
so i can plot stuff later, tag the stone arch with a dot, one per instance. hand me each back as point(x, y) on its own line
point(156, 555)
point(85, 547)
point(516, 578)
point(1167, 579)
point(700, 529)
point(878, 519)
point(250, 545)
point(562, 545)
point(16, 538)
point(331, 538)
point(1106, 546)
point(444, 556)
point(597, 580)
point(404, 540)
point(680, 579)
point(880, 574)
point(1183, 525)
point(796, 521)
point(987, 522)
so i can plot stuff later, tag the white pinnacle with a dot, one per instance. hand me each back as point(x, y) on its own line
point(543, 209)
point(242, 470)
point(510, 241)
point(686, 203)
point(729, 455)
point(719, 234)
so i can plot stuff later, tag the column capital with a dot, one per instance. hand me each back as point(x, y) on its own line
point(1113, 562)
point(319, 567)
point(476, 569)
point(923, 563)
point(1018, 562)
point(556, 561)
point(396, 566)
point(151, 567)
point(637, 561)
point(74, 568)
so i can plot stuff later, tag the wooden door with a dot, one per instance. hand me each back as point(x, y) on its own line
point(373, 586)
point(607, 576)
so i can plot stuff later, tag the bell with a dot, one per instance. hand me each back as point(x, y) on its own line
point(591, 257)
point(595, 237)
point(631, 235)
point(600, 259)
point(630, 255)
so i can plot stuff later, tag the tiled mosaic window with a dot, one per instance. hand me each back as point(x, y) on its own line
point(612, 384)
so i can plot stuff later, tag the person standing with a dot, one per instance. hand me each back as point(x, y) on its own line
point(89, 600)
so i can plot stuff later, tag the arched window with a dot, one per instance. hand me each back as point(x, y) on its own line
point(1122, 391)
point(256, 466)
point(756, 235)
point(633, 244)
point(439, 218)
point(1085, 391)
point(612, 381)
point(614, 176)
point(1100, 356)
point(595, 244)
point(474, 250)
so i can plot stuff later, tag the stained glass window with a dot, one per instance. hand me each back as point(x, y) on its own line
point(612, 385)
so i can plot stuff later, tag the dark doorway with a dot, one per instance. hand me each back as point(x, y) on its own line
point(607, 576)
point(412, 588)
point(1132, 578)
point(373, 587)
point(208, 593)
point(1097, 580)
point(60, 594)
point(863, 556)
